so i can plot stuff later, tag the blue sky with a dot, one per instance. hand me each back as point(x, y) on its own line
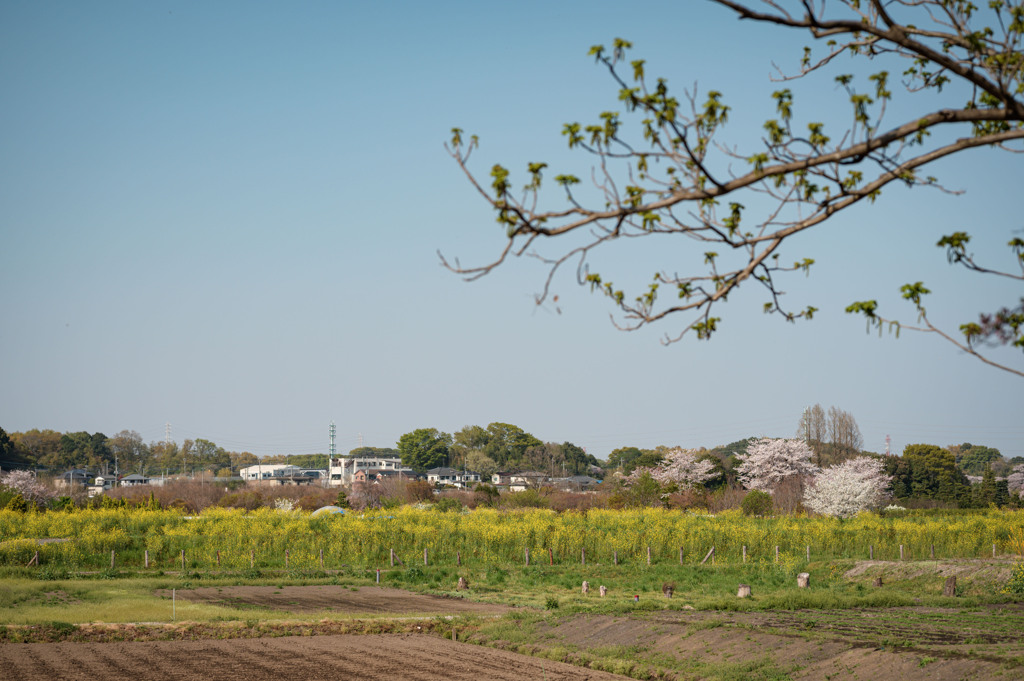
point(226, 217)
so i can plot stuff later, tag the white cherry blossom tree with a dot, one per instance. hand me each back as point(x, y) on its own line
point(849, 488)
point(768, 462)
point(1015, 481)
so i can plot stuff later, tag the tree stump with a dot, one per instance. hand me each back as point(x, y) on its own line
point(586, 588)
point(744, 591)
point(949, 590)
point(878, 581)
point(803, 580)
point(603, 590)
point(667, 588)
point(463, 584)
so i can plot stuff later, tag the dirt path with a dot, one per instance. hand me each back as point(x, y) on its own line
point(387, 657)
point(338, 599)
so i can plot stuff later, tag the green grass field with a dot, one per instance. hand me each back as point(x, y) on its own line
point(30, 595)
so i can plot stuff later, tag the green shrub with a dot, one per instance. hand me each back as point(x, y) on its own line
point(1015, 585)
point(52, 573)
point(445, 504)
point(528, 498)
point(17, 503)
point(757, 503)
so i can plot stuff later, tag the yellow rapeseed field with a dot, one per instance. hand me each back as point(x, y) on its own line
point(486, 536)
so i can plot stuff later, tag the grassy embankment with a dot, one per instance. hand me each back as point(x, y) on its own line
point(30, 596)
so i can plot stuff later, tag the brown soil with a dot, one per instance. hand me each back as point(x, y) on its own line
point(995, 571)
point(857, 645)
point(360, 658)
point(336, 599)
point(851, 645)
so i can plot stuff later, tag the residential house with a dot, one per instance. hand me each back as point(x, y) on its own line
point(517, 482)
point(74, 478)
point(343, 469)
point(453, 478)
point(133, 480)
point(577, 483)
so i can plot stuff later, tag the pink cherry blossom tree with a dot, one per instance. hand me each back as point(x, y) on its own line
point(25, 484)
point(680, 467)
point(768, 462)
point(847, 489)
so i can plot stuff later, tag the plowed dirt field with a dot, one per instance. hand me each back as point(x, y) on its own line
point(367, 600)
point(388, 657)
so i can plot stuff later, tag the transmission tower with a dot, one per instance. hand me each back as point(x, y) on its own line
point(888, 441)
point(333, 433)
point(167, 433)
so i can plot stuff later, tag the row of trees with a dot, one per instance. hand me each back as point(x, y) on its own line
point(125, 452)
point(499, 446)
point(833, 436)
point(771, 469)
point(785, 470)
point(924, 472)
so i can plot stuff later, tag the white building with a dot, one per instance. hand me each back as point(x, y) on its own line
point(343, 469)
point(268, 471)
point(452, 477)
point(518, 482)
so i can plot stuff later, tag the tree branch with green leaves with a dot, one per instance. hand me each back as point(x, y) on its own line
point(660, 168)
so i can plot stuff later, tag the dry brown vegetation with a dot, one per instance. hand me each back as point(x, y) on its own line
point(195, 495)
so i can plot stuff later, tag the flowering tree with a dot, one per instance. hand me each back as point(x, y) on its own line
point(847, 489)
point(1015, 481)
point(25, 484)
point(680, 467)
point(768, 462)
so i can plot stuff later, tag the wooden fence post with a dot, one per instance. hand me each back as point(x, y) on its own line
point(776, 553)
point(218, 557)
point(680, 555)
point(183, 559)
point(710, 554)
point(111, 559)
point(551, 556)
point(424, 557)
point(808, 554)
point(286, 555)
point(147, 558)
point(744, 553)
point(933, 552)
point(648, 555)
point(392, 557)
point(901, 551)
point(583, 556)
point(527, 551)
point(993, 550)
point(871, 552)
point(615, 557)
point(458, 558)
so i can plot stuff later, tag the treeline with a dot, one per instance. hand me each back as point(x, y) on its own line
point(126, 452)
point(498, 447)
